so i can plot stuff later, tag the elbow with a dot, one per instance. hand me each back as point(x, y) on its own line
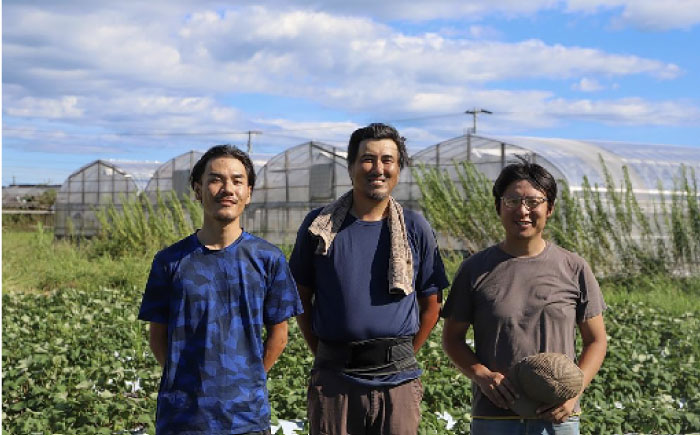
point(447, 344)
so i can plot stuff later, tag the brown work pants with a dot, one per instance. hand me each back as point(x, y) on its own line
point(337, 406)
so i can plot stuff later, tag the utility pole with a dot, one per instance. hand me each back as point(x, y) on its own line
point(250, 133)
point(472, 131)
point(475, 112)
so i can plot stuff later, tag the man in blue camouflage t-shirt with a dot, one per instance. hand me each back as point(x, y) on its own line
point(207, 299)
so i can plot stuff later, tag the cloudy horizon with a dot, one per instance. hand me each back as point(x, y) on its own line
point(132, 81)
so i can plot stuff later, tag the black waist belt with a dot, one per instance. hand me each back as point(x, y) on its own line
point(381, 356)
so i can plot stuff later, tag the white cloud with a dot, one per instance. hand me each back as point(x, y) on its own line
point(30, 107)
point(645, 14)
point(627, 111)
point(587, 85)
point(121, 70)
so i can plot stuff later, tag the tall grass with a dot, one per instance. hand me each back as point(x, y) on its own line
point(604, 224)
point(138, 226)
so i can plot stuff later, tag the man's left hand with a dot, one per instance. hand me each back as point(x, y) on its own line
point(558, 413)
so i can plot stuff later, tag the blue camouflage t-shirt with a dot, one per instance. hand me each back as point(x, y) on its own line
point(215, 303)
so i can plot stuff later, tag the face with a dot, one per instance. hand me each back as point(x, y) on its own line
point(520, 222)
point(376, 170)
point(223, 189)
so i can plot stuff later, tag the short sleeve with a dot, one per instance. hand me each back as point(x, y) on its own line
point(459, 305)
point(301, 261)
point(155, 301)
point(431, 276)
point(591, 302)
point(281, 299)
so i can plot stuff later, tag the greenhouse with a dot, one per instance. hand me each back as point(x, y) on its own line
point(95, 185)
point(292, 183)
point(313, 173)
point(652, 169)
point(173, 176)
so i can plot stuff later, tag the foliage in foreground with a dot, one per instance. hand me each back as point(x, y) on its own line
point(77, 361)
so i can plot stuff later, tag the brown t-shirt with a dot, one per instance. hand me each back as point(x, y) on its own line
point(521, 306)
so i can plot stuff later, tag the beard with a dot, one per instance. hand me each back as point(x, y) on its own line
point(377, 196)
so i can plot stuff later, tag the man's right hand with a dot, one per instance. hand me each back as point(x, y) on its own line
point(496, 387)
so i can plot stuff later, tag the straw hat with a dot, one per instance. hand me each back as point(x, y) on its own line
point(544, 379)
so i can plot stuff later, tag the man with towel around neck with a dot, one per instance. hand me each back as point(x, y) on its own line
point(370, 278)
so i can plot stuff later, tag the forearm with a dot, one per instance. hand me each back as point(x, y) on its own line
point(429, 316)
point(591, 359)
point(595, 344)
point(463, 357)
point(274, 344)
point(158, 341)
point(304, 319)
point(493, 384)
point(304, 322)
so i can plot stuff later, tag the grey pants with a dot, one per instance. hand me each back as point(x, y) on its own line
point(337, 406)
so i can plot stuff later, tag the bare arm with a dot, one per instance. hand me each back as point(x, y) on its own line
point(304, 319)
point(429, 313)
point(274, 344)
point(158, 340)
point(493, 384)
point(595, 344)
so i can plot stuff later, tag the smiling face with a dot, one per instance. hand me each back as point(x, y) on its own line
point(223, 189)
point(523, 224)
point(376, 169)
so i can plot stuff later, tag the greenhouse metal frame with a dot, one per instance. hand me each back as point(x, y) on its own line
point(95, 185)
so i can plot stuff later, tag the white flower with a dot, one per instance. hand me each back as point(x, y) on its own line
point(135, 386)
point(289, 427)
point(448, 418)
point(618, 405)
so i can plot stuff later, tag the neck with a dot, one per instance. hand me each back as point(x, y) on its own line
point(523, 248)
point(218, 235)
point(367, 209)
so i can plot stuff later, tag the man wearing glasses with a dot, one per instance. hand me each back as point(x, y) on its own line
point(523, 296)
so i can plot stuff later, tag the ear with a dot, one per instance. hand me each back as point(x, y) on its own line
point(198, 191)
point(350, 173)
point(550, 210)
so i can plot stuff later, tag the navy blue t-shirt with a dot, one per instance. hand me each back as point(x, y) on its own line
point(215, 303)
point(352, 300)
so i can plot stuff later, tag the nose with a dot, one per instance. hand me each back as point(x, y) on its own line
point(522, 208)
point(377, 168)
point(227, 187)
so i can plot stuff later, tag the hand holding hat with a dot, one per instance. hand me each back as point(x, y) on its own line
point(544, 379)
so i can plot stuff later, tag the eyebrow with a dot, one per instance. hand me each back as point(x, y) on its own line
point(234, 175)
point(367, 154)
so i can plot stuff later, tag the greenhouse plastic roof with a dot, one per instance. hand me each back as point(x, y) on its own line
point(575, 158)
point(647, 163)
point(139, 171)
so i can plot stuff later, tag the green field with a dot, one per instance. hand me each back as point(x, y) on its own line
point(76, 360)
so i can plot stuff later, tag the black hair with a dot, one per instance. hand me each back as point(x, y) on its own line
point(377, 131)
point(539, 177)
point(222, 151)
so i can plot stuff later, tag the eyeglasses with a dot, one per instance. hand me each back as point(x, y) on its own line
point(529, 201)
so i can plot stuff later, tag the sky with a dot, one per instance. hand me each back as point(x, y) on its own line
point(132, 80)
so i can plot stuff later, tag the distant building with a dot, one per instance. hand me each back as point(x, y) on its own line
point(29, 196)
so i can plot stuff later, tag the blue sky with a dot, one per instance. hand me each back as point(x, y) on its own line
point(132, 80)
